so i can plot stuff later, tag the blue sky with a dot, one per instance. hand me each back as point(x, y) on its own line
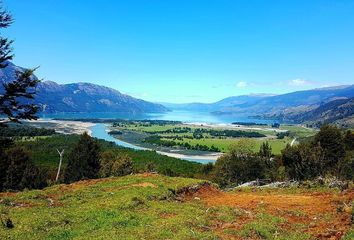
point(187, 51)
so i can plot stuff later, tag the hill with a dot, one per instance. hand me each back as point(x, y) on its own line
point(337, 111)
point(296, 106)
point(149, 206)
point(223, 104)
point(81, 97)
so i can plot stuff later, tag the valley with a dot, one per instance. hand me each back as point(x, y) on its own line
point(162, 135)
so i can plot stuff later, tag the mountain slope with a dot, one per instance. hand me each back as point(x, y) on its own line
point(82, 97)
point(281, 103)
point(329, 112)
point(223, 104)
point(271, 105)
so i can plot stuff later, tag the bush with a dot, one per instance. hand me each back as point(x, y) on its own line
point(20, 171)
point(115, 164)
point(239, 165)
point(303, 162)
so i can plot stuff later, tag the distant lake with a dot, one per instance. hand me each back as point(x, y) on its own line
point(184, 116)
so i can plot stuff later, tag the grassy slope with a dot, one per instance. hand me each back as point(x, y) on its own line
point(142, 207)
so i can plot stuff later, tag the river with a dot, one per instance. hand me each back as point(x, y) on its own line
point(100, 131)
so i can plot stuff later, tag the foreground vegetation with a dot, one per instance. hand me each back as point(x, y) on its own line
point(149, 206)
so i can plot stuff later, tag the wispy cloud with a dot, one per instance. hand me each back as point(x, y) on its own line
point(299, 82)
point(242, 84)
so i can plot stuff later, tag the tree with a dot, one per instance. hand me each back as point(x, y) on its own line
point(15, 99)
point(349, 140)
point(18, 159)
point(83, 160)
point(4, 161)
point(239, 165)
point(20, 171)
point(265, 150)
point(115, 164)
point(331, 141)
point(304, 161)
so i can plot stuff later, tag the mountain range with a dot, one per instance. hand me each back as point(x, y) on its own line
point(331, 104)
point(52, 97)
point(328, 104)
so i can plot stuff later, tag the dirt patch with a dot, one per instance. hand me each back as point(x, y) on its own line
point(316, 211)
point(198, 191)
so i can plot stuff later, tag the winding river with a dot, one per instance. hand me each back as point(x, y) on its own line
point(100, 131)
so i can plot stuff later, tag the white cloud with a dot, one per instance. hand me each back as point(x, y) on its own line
point(299, 82)
point(241, 84)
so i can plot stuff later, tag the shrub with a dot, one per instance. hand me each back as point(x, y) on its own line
point(20, 171)
point(115, 164)
point(239, 165)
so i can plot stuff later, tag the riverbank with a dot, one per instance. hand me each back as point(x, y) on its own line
point(64, 127)
point(100, 131)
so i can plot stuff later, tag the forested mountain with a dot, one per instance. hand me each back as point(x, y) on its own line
point(81, 97)
point(339, 110)
point(322, 104)
point(223, 104)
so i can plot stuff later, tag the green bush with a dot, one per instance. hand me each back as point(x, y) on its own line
point(112, 164)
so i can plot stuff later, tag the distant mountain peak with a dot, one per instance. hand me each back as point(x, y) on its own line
point(82, 97)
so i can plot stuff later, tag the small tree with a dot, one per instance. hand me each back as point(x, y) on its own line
point(83, 160)
point(5, 143)
point(18, 160)
point(21, 172)
point(349, 140)
point(304, 161)
point(240, 164)
point(331, 141)
point(115, 164)
point(122, 165)
point(265, 150)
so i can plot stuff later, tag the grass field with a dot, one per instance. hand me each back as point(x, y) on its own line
point(222, 143)
point(153, 207)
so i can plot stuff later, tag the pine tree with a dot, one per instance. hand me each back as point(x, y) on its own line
point(16, 98)
point(83, 160)
point(18, 158)
point(265, 150)
point(331, 141)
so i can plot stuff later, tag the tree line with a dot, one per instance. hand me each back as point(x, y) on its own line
point(329, 153)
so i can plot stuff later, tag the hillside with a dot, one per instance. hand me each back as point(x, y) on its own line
point(82, 97)
point(339, 110)
point(287, 106)
point(149, 206)
point(223, 104)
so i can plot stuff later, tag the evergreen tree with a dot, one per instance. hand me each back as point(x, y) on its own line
point(4, 161)
point(331, 141)
point(303, 161)
point(83, 160)
point(18, 158)
point(16, 96)
point(265, 150)
point(349, 140)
